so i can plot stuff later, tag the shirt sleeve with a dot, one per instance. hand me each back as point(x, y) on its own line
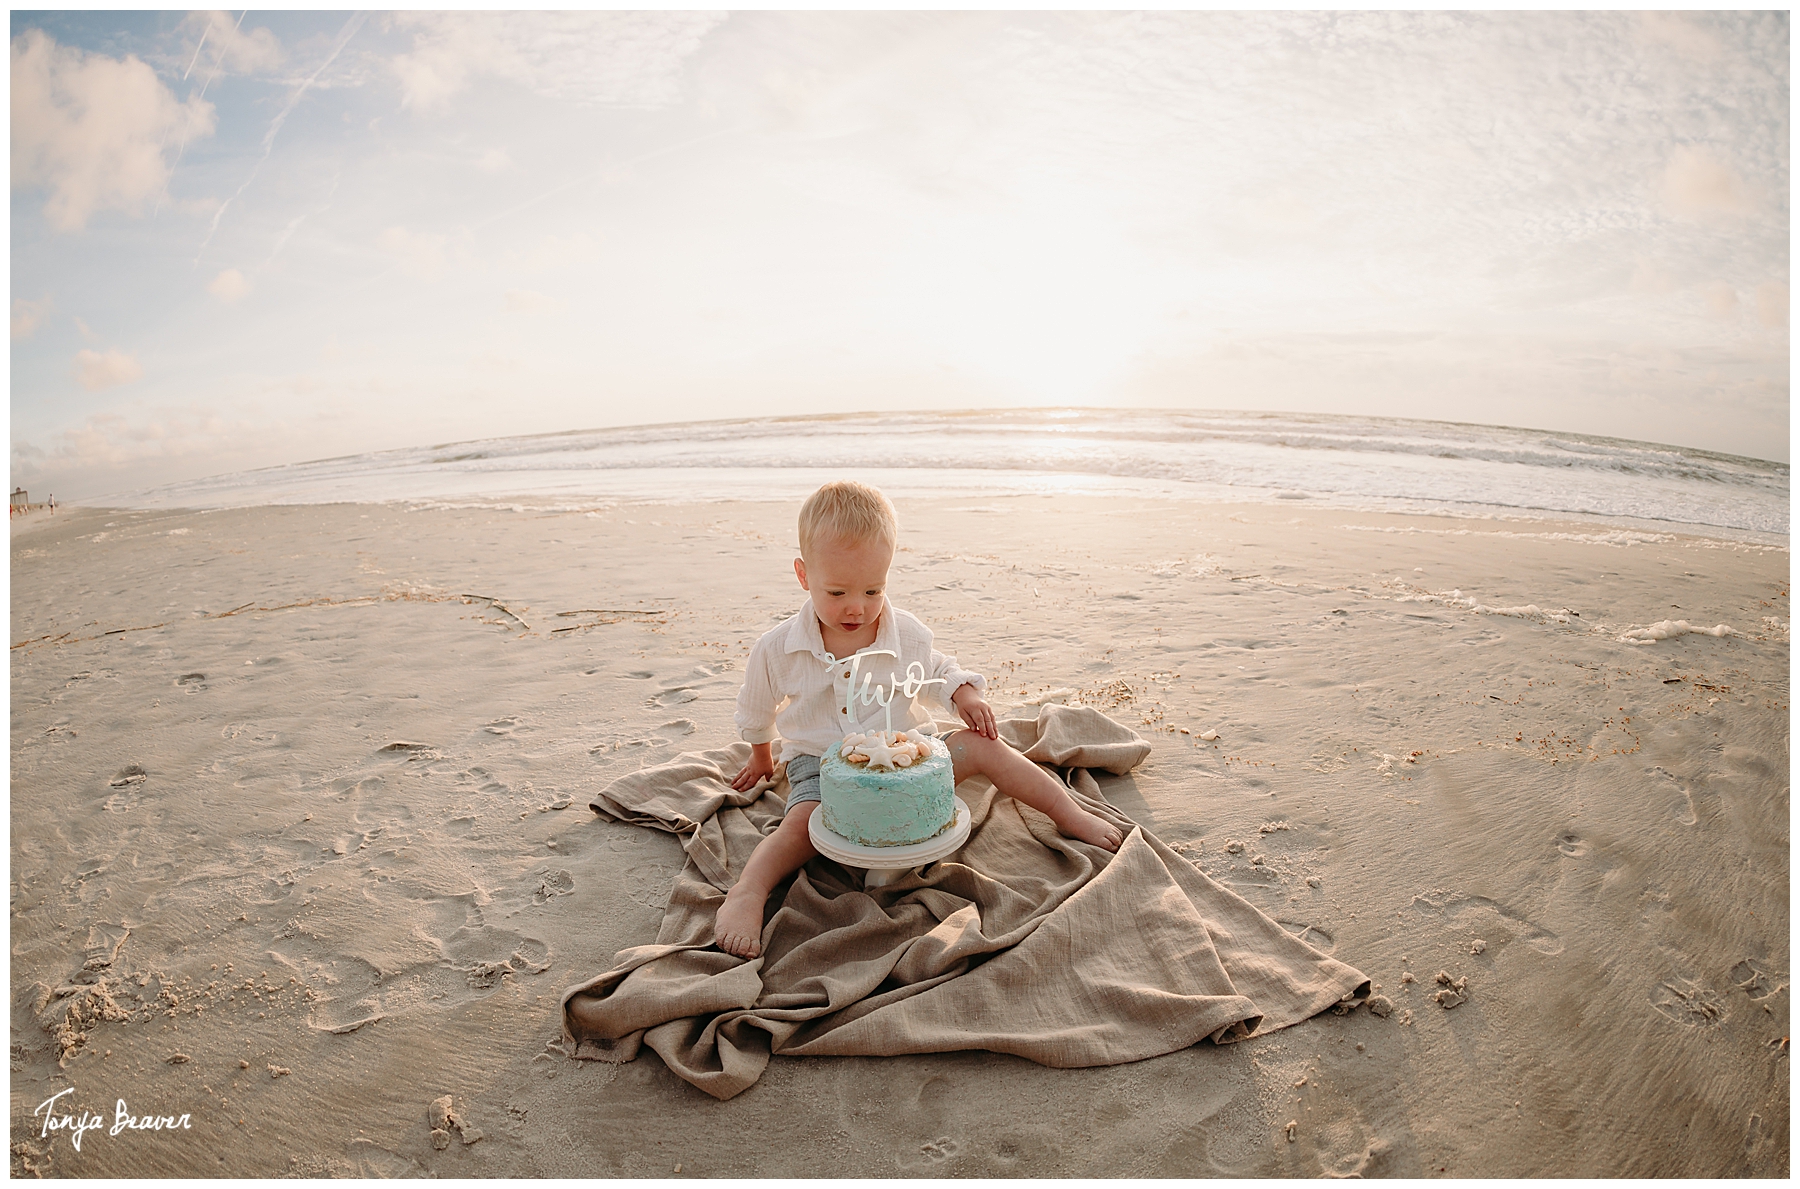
point(758, 699)
point(953, 676)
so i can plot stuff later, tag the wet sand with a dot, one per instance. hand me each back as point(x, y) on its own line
point(300, 841)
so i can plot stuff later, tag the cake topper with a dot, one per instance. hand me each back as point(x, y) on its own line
point(914, 681)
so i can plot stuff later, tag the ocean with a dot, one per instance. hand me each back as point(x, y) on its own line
point(1347, 462)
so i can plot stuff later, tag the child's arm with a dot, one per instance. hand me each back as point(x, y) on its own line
point(962, 692)
point(757, 703)
point(762, 763)
point(975, 711)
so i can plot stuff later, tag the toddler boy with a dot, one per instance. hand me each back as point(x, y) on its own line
point(796, 683)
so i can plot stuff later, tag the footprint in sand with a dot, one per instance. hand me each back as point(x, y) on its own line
point(639, 675)
point(1312, 935)
point(1688, 1002)
point(940, 1149)
point(409, 752)
point(600, 749)
point(1369, 1162)
point(672, 697)
point(1487, 918)
point(193, 682)
point(354, 995)
point(373, 1160)
point(1754, 977)
point(486, 953)
point(103, 943)
point(502, 726)
point(130, 785)
point(345, 1015)
point(649, 884)
point(680, 726)
point(1572, 845)
point(1683, 805)
point(551, 885)
point(486, 781)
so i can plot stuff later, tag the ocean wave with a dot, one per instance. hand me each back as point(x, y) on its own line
point(1344, 461)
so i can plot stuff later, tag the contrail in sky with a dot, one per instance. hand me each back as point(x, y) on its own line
point(343, 39)
point(214, 76)
point(202, 45)
point(181, 151)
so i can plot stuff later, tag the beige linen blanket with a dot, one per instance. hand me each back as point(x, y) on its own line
point(1022, 942)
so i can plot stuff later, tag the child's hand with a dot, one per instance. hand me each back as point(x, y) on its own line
point(762, 763)
point(975, 711)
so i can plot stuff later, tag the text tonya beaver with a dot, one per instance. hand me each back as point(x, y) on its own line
point(123, 1120)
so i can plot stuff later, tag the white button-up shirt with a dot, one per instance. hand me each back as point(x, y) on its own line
point(796, 690)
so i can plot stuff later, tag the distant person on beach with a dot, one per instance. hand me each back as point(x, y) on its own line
point(848, 532)
point(51, 504)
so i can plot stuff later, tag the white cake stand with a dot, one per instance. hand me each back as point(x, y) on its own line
point(885, 864)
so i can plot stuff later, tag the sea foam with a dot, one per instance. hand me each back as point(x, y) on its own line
point(1669, 629)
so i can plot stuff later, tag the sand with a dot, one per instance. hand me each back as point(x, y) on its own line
point(300, 845)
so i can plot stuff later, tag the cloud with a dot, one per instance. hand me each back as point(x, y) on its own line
point(1721, 299)
point(525, 301)
point(419, 253)
point(1696, 182)
point(229, 286)
point(27, 316)
point(110, 449)
point(553, 252)
point(494, 161)
point(1680, 34)
point(1772, 304)
point(96, 370)
point(596, 59)
point(97, 132)
point(1650, 277)
point(224, 44)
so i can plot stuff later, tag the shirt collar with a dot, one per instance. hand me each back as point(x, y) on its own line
point(808, 638)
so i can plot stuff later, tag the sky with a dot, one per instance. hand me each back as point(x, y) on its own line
point(246, 239)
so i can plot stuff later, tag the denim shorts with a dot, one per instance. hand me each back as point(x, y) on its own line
point(803, 773)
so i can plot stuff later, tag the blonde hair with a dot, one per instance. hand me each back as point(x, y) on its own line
point(847, 511)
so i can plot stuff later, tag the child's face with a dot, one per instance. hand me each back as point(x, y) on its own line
point(846, 580)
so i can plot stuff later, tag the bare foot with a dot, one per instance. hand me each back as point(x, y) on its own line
point(738, 928)
point(1075, 822)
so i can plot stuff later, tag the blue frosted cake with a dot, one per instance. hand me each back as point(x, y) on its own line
point(883, 789)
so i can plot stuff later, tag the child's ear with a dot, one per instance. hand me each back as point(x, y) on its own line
point(800, 573)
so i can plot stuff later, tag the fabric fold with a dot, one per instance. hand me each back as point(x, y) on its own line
point(1023, 942)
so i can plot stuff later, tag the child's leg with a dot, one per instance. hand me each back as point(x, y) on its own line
point(1019, 778)
point(738, 927)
